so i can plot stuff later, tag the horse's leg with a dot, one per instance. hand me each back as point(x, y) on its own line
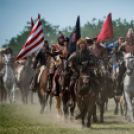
point(116, 106)
point(106, 108)
point(89, 118)
point(50, 102)
point(13, 91)
point(101, 111)
point(31, 95)
point(42, 100)
point(129, 103)
point(94, 114)
point(84, 111)
point(8, 94)
point(58, 106)
point(72, 111)
point(46, 102)
point(65, 109)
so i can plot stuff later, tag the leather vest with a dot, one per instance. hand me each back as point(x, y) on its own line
point(82, 56)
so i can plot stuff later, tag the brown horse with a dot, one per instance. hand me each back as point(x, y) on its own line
point(66, 94)
point(85, 98)
point(42, 87)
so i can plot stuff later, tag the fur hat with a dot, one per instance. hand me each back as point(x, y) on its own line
point(130, 34)
point(81, 41)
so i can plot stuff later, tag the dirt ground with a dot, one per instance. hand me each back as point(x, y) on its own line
point(20, 118)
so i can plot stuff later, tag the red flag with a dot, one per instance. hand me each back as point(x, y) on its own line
point(107, 29)
point(32, 24)
point(34, 41)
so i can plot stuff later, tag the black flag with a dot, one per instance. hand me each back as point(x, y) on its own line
point(75, 35)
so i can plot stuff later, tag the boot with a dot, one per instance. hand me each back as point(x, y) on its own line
point(32, 86)
point(50, 87)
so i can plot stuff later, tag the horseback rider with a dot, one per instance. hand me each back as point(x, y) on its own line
point(114, 54)
point(62, 51)
point(81, 58)
point(65, 52)
point(52, 68)
point(41, 59)
point(126, 47)
point(8, 51)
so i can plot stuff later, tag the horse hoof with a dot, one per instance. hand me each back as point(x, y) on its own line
point(14, 101)
point(71, 118)
point(95, 120)
point(88, 125)
point(115, 113)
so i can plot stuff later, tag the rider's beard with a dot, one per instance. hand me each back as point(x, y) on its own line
point(60, 43)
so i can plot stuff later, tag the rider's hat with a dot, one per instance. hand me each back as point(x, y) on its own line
point(81, 41)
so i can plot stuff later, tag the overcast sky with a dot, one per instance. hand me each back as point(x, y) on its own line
point(15, 13)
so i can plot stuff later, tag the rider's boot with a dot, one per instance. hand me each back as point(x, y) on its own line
point(32, 85)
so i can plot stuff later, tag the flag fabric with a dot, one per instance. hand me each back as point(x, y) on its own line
point(107, 29)
point(75, 35)
point(32, 24)
point(34, 41)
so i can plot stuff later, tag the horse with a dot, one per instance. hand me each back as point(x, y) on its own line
point(105, 84)
point(25, 74)
point(3, 92)
point(9, 77)
point(129, 82)
point(118, 98)
point(42, 87)
point(68, 104)
point(85, 96)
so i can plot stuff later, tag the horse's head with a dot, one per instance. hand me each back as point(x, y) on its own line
point(8, 59)
point(29, 61)
point(66, 74)
point(129, 62)
point(101, 67)
point(58, 61)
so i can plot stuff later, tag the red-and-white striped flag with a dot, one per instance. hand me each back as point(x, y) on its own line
point(34, 41)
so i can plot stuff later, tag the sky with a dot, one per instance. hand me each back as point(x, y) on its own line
point(14, 14)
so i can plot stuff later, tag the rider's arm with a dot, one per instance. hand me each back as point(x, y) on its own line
point(72, 58)
point(54, 53)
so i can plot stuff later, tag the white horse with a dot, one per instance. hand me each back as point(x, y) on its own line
point(9, 77)
point(129, 82)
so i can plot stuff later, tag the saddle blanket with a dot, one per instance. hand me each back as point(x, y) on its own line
point(42, 68)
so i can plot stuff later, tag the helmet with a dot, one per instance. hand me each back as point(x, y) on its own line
point(8, 48)
point(130, 34)
point(60, 35)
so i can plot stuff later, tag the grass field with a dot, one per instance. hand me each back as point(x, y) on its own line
point(25, 119)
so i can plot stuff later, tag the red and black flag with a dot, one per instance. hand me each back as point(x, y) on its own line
point(75, 35)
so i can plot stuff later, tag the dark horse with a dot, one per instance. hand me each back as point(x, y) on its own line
point(85, 95)
point(66, 75)
point(105, 84)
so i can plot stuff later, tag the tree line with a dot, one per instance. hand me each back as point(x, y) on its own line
point(90, 29)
